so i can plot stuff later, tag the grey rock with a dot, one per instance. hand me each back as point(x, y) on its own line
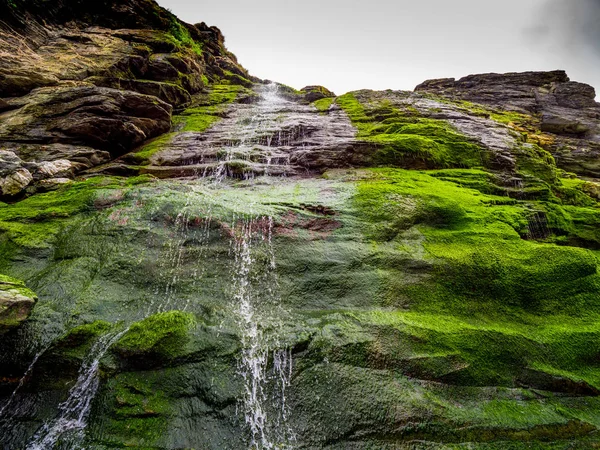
point(103, 118)
point(61, 168)
point(16, 303)
point(15, 183)
point(9, 163)
point(81, 157)
point(510, 91)
point(566, 109)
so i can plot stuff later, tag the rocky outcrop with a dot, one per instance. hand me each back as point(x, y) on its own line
point(314, 93)
point(107, 119)
point(565, 109)
point(91, 80)
point(511, 91)
point(294, 138)
point(16, 302)
point(59, 131)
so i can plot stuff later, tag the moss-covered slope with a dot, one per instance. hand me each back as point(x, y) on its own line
point(424, 277)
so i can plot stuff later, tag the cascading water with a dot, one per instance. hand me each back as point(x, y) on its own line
point(255, 293)
point(258, 311)
point(256, 137)
point(69, 425)
point(265, 365)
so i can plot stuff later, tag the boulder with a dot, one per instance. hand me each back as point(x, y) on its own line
point(15, 183)
point(16, 302)
point(313, 93)
point(14, 177)
point(61, 168)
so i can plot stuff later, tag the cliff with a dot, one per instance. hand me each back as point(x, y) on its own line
point(195, 258)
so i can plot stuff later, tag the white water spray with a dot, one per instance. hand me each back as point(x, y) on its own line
point(73, 413)
point(257, 312)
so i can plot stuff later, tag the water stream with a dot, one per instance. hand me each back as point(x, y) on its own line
point(265, 365)
point(69, 424)
point(258, 311)
point(255, 292)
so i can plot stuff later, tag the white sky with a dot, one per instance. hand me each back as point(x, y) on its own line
point(386, 44)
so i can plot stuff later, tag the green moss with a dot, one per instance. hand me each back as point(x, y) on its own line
point(201, 117)
point(181, 34)
point(84, 334)
point(534, 160)
point(323, 104)
point(394, 200)
point(493, 304)
point(139, 411)
point(236, 79)
point(196, 119)
point(504, 117)
point(221, 94)
point(405, 138)
point(576, 192)
point(162, 333)
point(574, 225)
point(152, 147)
point(34, 221)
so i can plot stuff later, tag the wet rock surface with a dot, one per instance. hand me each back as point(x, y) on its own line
point(272, 136)
point(223, 263)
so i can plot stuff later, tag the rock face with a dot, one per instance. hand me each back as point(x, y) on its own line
point(97, 80)
point(292, 139)
point(107, 119)
point(564, 108)
point(227, 263)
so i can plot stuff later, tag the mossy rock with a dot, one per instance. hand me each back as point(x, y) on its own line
point(162, 336)
point(16, 302)
point(406, 139)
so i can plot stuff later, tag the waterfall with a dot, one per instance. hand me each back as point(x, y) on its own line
point(257, 309)
point(255, 293)
point(70, 423)
point(257, 128)
point(264, 364)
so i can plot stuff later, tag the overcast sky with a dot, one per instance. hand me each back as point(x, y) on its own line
point(396, 44)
